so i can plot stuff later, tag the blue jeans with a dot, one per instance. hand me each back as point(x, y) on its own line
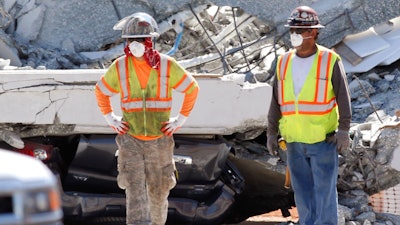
point(314, 171)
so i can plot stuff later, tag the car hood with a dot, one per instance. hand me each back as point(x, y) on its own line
point(15, 166)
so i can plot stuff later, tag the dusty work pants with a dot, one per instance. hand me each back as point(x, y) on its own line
point(146, 172)
point(314, 171)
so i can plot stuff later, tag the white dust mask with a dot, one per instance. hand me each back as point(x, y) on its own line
point(137, 49)
point(297, 39)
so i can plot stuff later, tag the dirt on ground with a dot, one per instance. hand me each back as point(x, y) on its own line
point(271, 218)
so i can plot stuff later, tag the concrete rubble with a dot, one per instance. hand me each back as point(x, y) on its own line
point(377, 46)
point(233, 40)
point(54, 33)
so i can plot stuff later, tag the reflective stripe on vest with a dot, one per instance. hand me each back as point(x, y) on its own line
point(320, 103)
point(162, 102)
point(184, 84)
point(105, 88)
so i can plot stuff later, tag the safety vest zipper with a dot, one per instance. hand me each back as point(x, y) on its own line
point(144, 112)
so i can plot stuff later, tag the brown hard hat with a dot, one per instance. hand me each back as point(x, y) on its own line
point(303, 17)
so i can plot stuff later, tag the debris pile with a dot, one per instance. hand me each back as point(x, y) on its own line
point(377, 89)
point(369, 167)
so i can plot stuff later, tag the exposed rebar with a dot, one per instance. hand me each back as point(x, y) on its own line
point(239, 37)
point(216, 47)
point(369, 100)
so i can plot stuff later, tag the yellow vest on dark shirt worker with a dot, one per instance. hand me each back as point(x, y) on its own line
point(313, 114)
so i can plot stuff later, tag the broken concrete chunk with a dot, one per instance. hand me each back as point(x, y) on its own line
point(365, 43)
point(5, 19)
point(376, 46)
point(389, 77)
point(8, 50)
point(4, 63)
point(8, 4)
point(373, 76)
point(30, 24)
point(357, 88)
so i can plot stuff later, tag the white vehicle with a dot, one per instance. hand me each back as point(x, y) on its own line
point(29, 192)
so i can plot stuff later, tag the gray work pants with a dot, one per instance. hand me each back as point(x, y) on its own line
point(146, 172)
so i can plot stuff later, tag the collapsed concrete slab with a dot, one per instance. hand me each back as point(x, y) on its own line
point(59, 98)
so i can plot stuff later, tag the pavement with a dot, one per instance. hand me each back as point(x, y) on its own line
point(271, 218)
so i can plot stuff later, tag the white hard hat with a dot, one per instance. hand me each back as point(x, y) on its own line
point(137, 25)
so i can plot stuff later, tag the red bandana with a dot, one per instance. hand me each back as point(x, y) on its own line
point(151, 56)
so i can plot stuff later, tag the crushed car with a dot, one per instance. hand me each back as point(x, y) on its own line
point(214, 186)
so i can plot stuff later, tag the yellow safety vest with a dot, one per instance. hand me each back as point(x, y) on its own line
point(145, 109)
point(313, 114)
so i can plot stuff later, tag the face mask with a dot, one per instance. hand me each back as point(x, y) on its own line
point(297, 39)
point(137, 49)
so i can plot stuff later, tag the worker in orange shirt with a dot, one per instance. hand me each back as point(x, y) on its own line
point(144, 80)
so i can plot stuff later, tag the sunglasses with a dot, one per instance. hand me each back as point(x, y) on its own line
point(299, 30)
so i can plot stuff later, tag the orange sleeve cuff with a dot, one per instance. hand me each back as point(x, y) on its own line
point(189, 101)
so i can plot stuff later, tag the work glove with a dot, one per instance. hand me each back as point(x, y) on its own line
point(116, 123)
point(272, 144)
point(173, 124)
point(341, 139)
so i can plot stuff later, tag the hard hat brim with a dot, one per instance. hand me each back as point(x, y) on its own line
point(313, 26)
point(121, 23)
point(152, 34)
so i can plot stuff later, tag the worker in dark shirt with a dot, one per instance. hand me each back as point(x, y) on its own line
point(310, 109)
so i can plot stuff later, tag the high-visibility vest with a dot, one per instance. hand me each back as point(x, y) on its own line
point(313, 114)
point(145, 109)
